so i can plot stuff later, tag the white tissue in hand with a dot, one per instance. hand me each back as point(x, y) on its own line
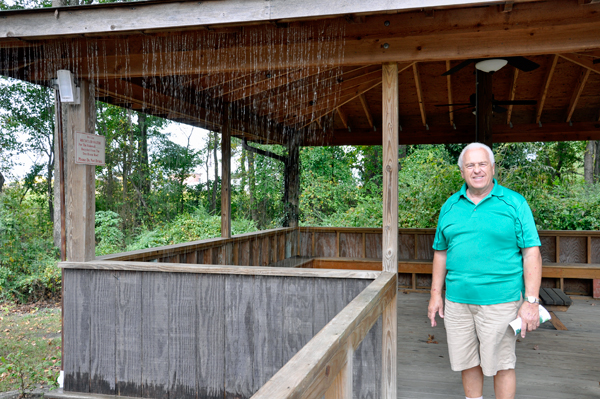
point(544, 317)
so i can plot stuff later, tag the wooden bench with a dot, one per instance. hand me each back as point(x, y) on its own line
point(555, 300)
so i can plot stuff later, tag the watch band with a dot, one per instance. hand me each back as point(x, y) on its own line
point(532, 299)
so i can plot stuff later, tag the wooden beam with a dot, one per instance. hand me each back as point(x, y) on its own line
point(365, 106)
point(80, 181)
point(511, 95)
point(582, 61)
point(449, 85)
point(417, 77)
point(525, 133)
point(226, 173)
point(545, 87)
point(390, 224)
point(343, 117)
point(540, 28)
point(579, 86)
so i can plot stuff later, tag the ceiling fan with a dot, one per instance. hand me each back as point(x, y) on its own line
point(518, 62)
point(496, 104)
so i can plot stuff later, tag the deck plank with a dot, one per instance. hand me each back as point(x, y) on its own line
point(551, 364)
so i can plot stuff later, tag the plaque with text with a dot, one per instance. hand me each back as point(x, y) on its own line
point(89, 149)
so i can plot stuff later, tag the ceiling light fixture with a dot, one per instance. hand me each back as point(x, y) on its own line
point(491, 66)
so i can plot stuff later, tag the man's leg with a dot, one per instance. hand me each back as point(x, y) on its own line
point(505, 384)
point(472, 380)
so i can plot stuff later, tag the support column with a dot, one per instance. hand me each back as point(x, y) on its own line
point(390, 223)
point(483, 132)
point(292, 182)
point(226, 174)
point(80, 181)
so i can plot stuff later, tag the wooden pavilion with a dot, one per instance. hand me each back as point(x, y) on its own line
point(230, 317)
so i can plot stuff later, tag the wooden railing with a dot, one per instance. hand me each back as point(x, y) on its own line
point(323, 367)
point(178, 330)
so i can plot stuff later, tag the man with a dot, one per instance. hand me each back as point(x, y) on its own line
point(487, 251)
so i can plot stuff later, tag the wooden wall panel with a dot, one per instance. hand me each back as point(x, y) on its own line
point(298, 310)
point(244, 253)
point(265, 251)
point(351, 245)
point(406, 246)
point(268, 329)
point(155, 332)
point(573, 249)
point(367, 367)
point(373, 245)
point(291, 244)
point(325, 244)
point(273, 249)
point(306, 240)
point(182, 335)
point(550, 282)
point(424, 246)
point(210, 327)
point(595, 250)
point(281, 247)
point(405, 280)
point(576, 286)
point(256, 247)
point(128, 334)
point(423, 281)
point(239, 336)
point(102, 333)
point(548, 249)
point(329, 301)
point(76, 319)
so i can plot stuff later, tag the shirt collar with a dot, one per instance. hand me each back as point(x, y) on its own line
point(497, 190)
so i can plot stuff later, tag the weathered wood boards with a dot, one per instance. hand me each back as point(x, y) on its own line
point(192, 335)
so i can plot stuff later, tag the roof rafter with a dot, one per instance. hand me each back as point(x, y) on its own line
point(511, 95)
point(579, 86)
point(545, 87)
point(417, 77)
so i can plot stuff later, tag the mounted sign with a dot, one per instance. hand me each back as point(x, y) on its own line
point(89, 149)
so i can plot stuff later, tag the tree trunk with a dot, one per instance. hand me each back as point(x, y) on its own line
point(143, 154)
point(588, 162)
point(252, 185)
point(597, 162)
point(1, 181)
point(50, 168)
point(216, 166)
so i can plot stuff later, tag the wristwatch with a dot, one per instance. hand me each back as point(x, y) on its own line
point(532, 299)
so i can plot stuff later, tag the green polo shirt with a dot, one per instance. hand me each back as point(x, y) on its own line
point(484, 262)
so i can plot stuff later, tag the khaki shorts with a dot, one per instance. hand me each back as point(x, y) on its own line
point(480, 335)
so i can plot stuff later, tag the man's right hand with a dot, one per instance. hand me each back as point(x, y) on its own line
point(436, 305)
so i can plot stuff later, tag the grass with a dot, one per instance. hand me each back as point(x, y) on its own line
point(30, 338)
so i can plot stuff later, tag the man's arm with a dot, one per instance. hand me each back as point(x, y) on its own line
point(532, 274)
point(436, 303)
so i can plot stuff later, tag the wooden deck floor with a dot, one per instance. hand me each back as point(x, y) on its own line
point(551, 364)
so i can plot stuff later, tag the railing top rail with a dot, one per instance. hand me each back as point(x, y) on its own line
point(187, 246)
point(217, 269)
point(312, 370)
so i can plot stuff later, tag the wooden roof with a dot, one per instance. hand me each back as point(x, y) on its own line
point(316, 75)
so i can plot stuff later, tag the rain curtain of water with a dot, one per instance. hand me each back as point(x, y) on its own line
point(279, 78)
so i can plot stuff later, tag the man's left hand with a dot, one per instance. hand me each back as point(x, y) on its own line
point(530, 317)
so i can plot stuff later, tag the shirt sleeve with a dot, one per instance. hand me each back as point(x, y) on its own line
point(439, 242)
point(527, 234)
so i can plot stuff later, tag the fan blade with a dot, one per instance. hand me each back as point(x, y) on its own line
point(452, 105)
point(522, 63)
point(460, 109)
point(596, 61)
point(459, 67)
point(515, 102)
point(498, 109)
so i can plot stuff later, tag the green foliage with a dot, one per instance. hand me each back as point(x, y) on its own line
point(109, 237)
point(187, 227)
point(28, 257)
point(27, 375)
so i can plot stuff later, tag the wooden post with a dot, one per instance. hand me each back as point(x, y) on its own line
point(390, 223)
point(483, 132)
point(226, 174)
point(80, 184)
point(292, 181)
